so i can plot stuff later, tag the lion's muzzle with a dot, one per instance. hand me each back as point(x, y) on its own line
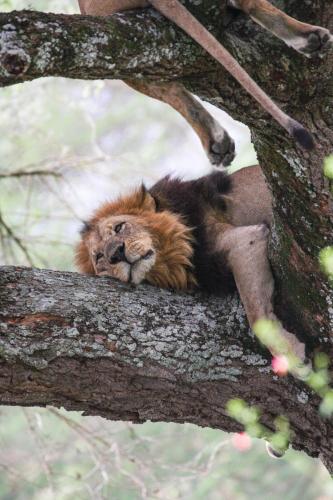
point(116, 252)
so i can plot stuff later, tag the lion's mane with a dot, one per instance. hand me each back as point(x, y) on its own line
point(176, 214)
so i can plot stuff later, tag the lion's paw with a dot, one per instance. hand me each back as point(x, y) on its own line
point(221, 149)
point(314, 43)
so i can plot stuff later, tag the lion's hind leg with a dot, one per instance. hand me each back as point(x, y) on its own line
point(246, 250)
point(306, 38)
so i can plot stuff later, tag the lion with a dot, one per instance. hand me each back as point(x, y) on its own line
point(210, 233)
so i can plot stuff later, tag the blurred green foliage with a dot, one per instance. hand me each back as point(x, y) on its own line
point(249, 418)
point(50, 454)
point(328, 167)
point(326, 261)
point(65, 147)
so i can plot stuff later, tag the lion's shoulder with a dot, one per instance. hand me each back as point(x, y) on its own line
point(192, 199)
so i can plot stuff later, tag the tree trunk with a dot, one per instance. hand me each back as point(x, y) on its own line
point(62, 334)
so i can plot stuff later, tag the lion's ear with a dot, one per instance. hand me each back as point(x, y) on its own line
point(148, 201)
point(85, 228)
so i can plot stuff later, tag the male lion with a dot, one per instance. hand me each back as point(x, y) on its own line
point(209, 233)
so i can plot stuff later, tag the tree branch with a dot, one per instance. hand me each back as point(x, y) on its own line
point(109, 349)
point(35, 44)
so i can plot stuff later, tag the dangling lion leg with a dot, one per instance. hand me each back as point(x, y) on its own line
point(108, 7)
point(246, 251)
point(306, 38)
point(220, 148)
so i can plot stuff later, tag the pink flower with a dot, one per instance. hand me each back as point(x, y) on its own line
point(241, 441)
point(280, 365)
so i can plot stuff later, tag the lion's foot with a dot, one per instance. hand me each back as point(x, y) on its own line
point(293, 346)
point(300, 365)
point(312, 43)
point(221, 147)
point(222, 152)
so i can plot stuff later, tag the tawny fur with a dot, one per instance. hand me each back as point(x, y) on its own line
point(172, 240)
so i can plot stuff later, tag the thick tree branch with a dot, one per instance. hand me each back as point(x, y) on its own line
point(35, 44)
point(127, 353)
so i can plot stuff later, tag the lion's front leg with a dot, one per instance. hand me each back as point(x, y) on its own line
point(246, 251)
point(219, 146)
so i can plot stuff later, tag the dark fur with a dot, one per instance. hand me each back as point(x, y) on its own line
point(192, 200)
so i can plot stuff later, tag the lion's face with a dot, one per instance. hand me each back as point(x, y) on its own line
point(122, 248)
point(130, 240)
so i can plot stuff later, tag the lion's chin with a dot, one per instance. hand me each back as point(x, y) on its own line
point(130, 273)
point(141, 268)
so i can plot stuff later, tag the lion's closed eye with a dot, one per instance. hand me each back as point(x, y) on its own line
point(119, 227)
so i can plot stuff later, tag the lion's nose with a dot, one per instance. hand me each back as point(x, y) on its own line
point(118, 255)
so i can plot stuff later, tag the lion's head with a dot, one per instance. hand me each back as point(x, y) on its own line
point(130, 240)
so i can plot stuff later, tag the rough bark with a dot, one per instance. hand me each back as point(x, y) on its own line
point(34, 45)
point(187, 383)
point(108, 349)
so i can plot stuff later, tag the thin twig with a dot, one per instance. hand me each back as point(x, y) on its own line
point(40, 450)
point(30, 173)
point(79, 429)
point(16, 239)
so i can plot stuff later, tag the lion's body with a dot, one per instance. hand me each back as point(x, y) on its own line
point(185, 221)
point(212, 232)
point(175, 214)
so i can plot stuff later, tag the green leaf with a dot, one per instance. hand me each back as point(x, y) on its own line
point(282, 425)
point(254, 430)
point(321, 361)
point(280, 441)
point(328, 167)
point(326, 407)
point(326, 260)
point(318, 380)
point(250, 415)
point(235, 408)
